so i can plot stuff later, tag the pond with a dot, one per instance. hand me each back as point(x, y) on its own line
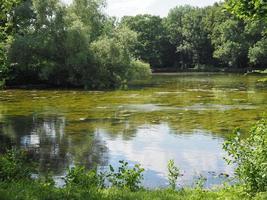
point(185, 117)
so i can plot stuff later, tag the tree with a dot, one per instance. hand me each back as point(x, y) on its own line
point(173, 23)
point(90, 14)
point(37, 47)
point(7, 9)
point(152, 44)
point(258, 53)
point(186, 31)
point(112, 59)
point(248, 9)
point(195, 44)
point(47, 42)
point(231, 46)
point(257, 35)
point(75, 45)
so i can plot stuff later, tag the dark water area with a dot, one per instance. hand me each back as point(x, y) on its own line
point(185, 117)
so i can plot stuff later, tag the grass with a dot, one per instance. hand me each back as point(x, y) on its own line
point(34, 190)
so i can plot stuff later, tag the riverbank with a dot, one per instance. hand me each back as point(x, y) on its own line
point(207, 69)
point(157, 72)
point(34, 190)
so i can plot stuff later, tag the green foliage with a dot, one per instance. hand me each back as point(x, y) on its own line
point(47, 42)
point(75, 45)
point(152, 44)
point(139, 70)
point(31, 190)
point(14, 166)
point(7, 26)
point(126, 177)
point(230, 44)
point(46, 181)
point(82, 184)
point(173, 174)
point(250, 156)
point(258, 53)
point(189, 34)
point(248, 8)
point(200, 183)
point(79, 177)
point(112, 59)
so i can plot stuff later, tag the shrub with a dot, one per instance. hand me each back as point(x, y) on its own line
point(126, 177)
point(78, 176)
point(139, 70)
point(111, 59)
point(14, 165)
point(250, 156)
point(200, 182)
point(173, 174)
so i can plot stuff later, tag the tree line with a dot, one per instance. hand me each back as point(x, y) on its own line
point(192, 37)
point(46, 41)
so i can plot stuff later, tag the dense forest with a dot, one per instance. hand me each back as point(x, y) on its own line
point(48, 42)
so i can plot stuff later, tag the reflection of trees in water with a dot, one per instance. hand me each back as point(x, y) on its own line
point(114, 126)
point(45, 139)
point(5, 141)
point(57, 143)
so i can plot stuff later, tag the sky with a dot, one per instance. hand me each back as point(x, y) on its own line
point(121, 8)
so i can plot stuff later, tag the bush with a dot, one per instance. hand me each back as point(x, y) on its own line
point(14, 165)
point(139, 70)
point(250, 156)
point(112, 57)
point(126, 178)
point(78, 176)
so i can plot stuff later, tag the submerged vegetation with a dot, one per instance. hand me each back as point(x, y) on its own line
point(16, 181)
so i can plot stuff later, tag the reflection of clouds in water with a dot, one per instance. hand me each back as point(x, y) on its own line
point(155, 145)
point(44, 138)
point(51, 128)
point(30, 141)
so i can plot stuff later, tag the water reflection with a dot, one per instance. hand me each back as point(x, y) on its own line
point(197, 153)
point(44, 137)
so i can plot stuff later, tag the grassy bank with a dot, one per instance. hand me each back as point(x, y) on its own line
point(34, 190)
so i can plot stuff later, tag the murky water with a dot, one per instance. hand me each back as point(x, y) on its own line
point(185, 117)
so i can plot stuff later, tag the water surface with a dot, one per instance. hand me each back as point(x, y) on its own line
point(185, 117)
